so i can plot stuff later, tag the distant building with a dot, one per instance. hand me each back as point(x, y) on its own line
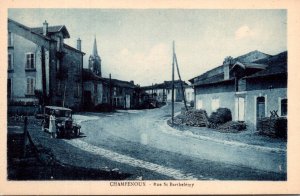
point(40, 64)
point(250, 85)
point(97, 90)
point(163, 91)
point(95, 60)
point(189, 94)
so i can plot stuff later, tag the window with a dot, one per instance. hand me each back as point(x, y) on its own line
point(9, 88)
point(10, 39)
point(283, 106)
point(115, 91)
point(215, 104)
point(77, 90)
point(30, 61)
point(199, 104)
point(10, 61)
point(30, 86)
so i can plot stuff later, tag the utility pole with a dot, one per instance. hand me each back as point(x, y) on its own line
point(182, 89)
point(173, 84)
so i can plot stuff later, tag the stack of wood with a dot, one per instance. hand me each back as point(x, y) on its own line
point(232, 127)
point(219, 117)
point(273, 127)
point(179, 119)
point(196, 118)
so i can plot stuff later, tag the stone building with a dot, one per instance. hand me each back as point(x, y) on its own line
point(42, 68)
point(250, 85)
point(99, 90)
point(163, 91)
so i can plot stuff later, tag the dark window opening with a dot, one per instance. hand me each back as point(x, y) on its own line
point(284, 107)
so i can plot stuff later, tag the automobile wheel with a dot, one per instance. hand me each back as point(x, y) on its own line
point(76, 133)
point(54, 135)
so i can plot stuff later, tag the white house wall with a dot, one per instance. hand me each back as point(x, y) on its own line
point(19, 75)
point(226, 100)
point(271, 102)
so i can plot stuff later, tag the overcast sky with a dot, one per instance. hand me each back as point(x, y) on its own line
point(137, 44)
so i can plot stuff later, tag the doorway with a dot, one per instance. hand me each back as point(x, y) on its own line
point(241, 109)
point(260, 107)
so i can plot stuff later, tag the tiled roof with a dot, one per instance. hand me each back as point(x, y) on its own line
point(249, 57)
point(120, 83)
point(277, 64)
point(28, 29)
point(71, 48)
point(216, 75)
point(53, 29)
point(165, 85)
point(88, 75)
point(249, 65)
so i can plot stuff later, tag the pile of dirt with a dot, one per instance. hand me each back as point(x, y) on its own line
point(219, 117)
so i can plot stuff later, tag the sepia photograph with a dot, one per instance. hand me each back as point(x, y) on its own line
point(147, 97)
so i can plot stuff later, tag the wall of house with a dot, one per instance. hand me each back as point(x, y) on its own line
point(226, 100)
point(97, 97)
point(73, 94)
point(169, 94)
point(19, 74)
point(272, 102)
point(267, 82)
point(215, 88)
point(189, 94)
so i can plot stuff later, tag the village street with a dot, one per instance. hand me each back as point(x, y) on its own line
point(141, 143)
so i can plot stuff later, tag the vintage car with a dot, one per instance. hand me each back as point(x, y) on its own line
point(65, 126)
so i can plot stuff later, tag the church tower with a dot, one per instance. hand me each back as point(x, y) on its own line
point(95, 60)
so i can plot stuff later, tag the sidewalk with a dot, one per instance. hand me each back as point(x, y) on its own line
point(248, 138)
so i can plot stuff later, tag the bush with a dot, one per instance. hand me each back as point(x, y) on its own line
point(221, 116)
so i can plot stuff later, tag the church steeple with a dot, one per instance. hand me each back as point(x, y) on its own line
point(95, 51)
point(95, 60)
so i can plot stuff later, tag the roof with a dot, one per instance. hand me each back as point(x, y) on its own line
point(249, 57)
point(121, 83)
point(249, 65)
point(89, 75)
point(74, 49)
point(28, 29)
point(165, 85)
point(277, 65)
point(58, 108)
point(52, 30)
point(216, 75)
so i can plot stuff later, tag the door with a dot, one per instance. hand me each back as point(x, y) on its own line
point(241, 109)
point(127, 101)
point(260, 107)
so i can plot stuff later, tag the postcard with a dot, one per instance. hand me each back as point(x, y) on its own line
point(149, 97)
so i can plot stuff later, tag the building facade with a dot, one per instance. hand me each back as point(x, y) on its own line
point(163, 92)
point(251, 86)
point(42, 69)
point(99, 90)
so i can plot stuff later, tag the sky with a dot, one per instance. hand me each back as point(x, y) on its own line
point(136, 44)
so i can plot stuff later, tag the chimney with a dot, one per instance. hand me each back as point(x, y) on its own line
point(79, 44)
point(45, 28)
point(227, 61)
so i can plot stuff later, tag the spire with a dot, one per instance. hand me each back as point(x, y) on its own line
point(95, 52)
